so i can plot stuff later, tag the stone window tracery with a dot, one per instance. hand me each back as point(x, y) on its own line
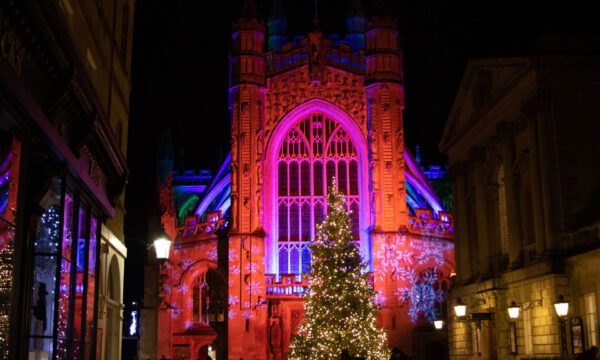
point(315, 150)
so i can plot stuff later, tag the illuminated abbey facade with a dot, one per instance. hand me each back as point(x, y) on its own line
point(302, 113)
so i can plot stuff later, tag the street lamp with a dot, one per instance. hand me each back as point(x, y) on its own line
point(562, 309)
point(513, 310)
point(162, 245)
point(460, 309)
point(438, 324)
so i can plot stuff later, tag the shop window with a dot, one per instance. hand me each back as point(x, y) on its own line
point(10, 149)
point(64, 285)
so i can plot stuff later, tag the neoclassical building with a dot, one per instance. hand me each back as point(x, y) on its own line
point(521, 139)
point(303, 111)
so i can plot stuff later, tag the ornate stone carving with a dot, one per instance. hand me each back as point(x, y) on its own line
point(292, 89)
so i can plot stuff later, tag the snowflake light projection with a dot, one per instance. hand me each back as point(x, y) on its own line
point(234, 269)
point(423, 294)
point(212, 254)
point(231, 314)
point(182, 289)
point(176, 311)
point(186, 263)
point(431, 251)
point(255, 249)
point(233, 300)
point(167, 289)
point(251, 268)
point(254, 287)
point(247, 315)
point(380, 299)
point(393, 257)
point(233, 255)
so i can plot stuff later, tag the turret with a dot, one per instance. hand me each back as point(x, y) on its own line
point(276, 26)
point(383, 46)
point(246, 62)
point(355, 24)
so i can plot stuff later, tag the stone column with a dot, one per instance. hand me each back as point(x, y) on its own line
point(536, 193)
point(548, 174)
point(478, 157)
point(461, 231)
point(512, 202)
point(494, 241)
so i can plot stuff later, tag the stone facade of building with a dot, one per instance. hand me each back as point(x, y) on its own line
point(302, 113)
point(64, 112)
point(521, 141)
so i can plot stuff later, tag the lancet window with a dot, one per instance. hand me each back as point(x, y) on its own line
point(315, 150)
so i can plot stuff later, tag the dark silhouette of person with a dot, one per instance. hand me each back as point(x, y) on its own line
point(589, 354)
point(39, 310)
point(397, 354)
point(345, 355)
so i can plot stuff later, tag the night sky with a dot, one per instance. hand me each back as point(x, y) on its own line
point(180, 78)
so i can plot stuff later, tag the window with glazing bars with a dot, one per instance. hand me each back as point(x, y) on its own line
point(315, 150)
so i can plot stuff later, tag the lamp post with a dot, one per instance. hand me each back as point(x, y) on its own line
point(562, 309)
point(439, 324)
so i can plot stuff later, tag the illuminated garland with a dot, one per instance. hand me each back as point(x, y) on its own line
point(6, 270)
point(339, 309)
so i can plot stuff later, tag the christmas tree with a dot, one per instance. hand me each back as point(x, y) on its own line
point(339, 310)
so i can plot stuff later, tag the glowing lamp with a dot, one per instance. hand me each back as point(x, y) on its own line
point(438, 324)
point(561, 306)
point(513, 311)
point(162, 244)
point(460, 309)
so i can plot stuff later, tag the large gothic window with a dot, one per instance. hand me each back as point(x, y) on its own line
point(315, 150)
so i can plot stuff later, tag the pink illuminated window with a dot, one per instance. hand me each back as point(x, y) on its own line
point(315, 150)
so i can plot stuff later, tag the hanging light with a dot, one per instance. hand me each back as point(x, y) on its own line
point(162, 245)
point(513, 311)
point(561, 306)
point(460, 309)
point(438, 324)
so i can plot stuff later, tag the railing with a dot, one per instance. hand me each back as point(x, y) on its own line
point(189, 177)
point(289, 285)
point(424, 220)
point(193, 227)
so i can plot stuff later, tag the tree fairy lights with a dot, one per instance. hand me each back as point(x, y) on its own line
point(339, 306)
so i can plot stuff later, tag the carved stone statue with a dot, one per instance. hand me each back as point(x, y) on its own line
point(275, 333)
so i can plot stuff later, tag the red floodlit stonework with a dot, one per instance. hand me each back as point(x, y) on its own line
point(315, 110)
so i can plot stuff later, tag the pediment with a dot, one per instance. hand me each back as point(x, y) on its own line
point(485, 83)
